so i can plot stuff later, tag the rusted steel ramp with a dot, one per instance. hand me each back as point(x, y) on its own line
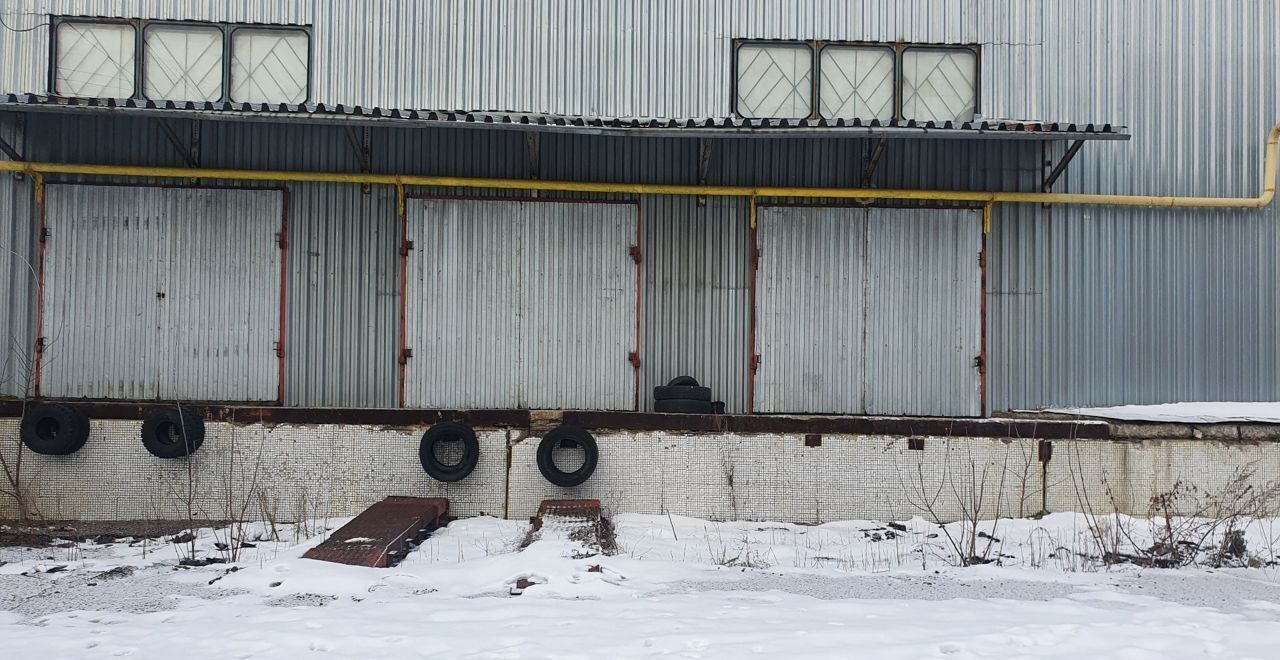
point(384, 533)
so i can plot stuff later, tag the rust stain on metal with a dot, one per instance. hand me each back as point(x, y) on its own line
point(381, 536)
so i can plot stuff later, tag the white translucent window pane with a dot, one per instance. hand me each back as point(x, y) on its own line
point(183, 63)
point(269, 66)
point(773, 81)
point(857, 83)
point(95, 60)
point(939, 85)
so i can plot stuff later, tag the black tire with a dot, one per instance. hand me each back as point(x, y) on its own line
point(683, 381)
point(449, 432)
point(682, 406)
point(717, 407)
point(54, 429)
point(692, 392)
point(172, 432)
point(561, 434)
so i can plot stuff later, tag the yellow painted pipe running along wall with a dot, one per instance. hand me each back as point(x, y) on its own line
point(401, 180)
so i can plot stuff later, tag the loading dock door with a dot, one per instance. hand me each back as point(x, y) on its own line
point(520, 304)
point(868, 311)
point(161, 293)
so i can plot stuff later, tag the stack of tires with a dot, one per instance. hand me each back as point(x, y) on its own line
point(684, 395)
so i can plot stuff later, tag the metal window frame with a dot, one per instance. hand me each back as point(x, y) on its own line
point(813, 70)
point(863, 45)
point(816, 47)
point(232, 28)
point(140, 26)
point(56, 22)
point(976, 49)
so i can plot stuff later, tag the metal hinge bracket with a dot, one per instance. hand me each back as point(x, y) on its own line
point(405, 247)
point(635, 253)
point(279, 346)
point(282, 241)
point(634, 358)
point(405, 354)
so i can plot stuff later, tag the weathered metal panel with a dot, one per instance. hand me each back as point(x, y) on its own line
point(17, 272)
point(136, 284)
point(811, 289)
point(520, 304)
point(923, 312)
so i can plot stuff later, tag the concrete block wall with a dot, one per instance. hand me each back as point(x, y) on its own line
point(291, 471)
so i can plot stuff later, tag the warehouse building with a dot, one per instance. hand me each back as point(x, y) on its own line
point(400, 212)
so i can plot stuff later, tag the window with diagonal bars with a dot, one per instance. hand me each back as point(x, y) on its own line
point(95, 60)
point(182, 63)
point(864, 81)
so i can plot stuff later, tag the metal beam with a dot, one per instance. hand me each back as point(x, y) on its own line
point(874, 161)
point(9, 150)
point(1062, 165)
point(188, 156)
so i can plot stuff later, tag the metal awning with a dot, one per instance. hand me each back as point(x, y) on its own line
point(704, 127)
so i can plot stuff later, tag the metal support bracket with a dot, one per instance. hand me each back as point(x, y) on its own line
point(704, 164)
point(363, 152)
point(1061, 166)
point(873, 161)
point(9, 151)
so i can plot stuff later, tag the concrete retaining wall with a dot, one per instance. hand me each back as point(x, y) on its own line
point(290, 471)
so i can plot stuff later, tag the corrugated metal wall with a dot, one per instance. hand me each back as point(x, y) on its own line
point(1087, 305)
point(161, 293)
point(17, 273)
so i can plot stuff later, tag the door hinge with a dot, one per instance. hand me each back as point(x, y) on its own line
point(405, 247)
point(982, 260)
point(755, 258)
point(40, 344)
point(635, 253)
point(405, 354)
point(279, 346)
point(282, 241)
point(979, 363)
point(634, 358)
point(44, 234)
point(755, 362)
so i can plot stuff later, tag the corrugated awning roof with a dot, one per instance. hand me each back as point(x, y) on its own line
point(700, 127)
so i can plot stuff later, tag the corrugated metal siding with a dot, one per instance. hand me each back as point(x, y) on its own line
point(520, 304)
point(17, 272)
point(670, 60)
point(1102, 306)
point(1072, 321)
point(135, 293)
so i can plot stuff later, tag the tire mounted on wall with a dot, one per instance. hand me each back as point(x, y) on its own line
point(55, 429)
point(573, 434)
point(172, 432)
point(449, 432)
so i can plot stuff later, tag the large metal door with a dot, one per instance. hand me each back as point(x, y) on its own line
point(520, 304)
point(161, 293)
point(868, 311)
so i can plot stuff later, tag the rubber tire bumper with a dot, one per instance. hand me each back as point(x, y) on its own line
point(54, 429)
point(172, 432)
point(449, 432)
point(694, 406)
point(551, 440)
point(683, 381)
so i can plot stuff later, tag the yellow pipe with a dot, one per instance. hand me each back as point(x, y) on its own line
point(752, 206)
point(986, 217)
point(1263, 199)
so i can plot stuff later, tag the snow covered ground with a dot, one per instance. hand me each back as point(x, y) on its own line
point(674, 587)
point(1206, 412)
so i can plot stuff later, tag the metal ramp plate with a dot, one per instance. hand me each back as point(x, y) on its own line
point(381, 536)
